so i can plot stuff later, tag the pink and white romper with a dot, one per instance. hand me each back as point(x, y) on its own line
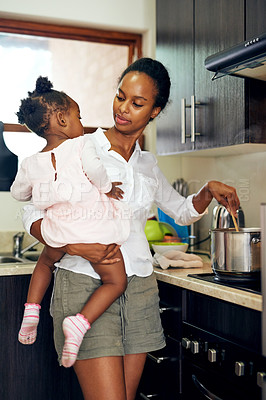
point(73, 193)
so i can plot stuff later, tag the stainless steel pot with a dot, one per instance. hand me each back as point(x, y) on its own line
point(235, 253)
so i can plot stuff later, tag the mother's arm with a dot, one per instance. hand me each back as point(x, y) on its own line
point(93, 252)
point(224, 194)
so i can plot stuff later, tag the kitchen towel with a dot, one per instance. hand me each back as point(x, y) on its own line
point(177, 259)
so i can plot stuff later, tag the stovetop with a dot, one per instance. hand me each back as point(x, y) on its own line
point(252, 286)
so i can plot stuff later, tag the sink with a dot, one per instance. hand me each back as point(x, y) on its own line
point(31, 257)
point(9, 259)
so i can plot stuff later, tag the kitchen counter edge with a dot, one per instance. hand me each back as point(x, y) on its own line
point(180, 278)
point(177, 277)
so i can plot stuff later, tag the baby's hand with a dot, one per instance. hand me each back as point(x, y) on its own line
point(116, 192)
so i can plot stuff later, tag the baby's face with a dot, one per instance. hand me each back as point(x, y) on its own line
point(74, 121)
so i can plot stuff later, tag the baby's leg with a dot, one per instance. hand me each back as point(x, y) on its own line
point(114, 281)
point(39, 283)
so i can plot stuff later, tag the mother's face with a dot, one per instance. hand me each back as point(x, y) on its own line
point(133, 105)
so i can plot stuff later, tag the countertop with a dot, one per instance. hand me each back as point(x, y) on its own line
point(17, 269)
point(179, 277)
point(174, 276)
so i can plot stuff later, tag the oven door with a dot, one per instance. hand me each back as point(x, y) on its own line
point(201, 384)
point(217, 369)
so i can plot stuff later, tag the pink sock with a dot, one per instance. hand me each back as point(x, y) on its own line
point(74, 328)
point(28, 329)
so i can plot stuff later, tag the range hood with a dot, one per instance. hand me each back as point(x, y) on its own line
point(246, 59)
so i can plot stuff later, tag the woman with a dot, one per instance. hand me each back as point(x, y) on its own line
point(112, 355)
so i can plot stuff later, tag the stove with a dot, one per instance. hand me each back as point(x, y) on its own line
point(249, 286)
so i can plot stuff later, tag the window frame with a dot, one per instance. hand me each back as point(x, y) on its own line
point(132, 40)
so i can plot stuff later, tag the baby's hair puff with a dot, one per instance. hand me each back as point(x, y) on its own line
point(36, 109)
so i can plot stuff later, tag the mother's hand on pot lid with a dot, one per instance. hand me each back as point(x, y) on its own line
point(224, 194)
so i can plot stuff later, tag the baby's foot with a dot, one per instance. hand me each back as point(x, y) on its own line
point(74, 328)
point(28, 330)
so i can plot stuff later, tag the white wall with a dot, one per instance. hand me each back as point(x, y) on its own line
point(125, 15)
point(246, 172)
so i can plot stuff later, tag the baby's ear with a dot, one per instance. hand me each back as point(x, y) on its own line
point(60, 118)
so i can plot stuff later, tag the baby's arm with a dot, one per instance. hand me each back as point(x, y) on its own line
point(94, 168)
point(21, 188)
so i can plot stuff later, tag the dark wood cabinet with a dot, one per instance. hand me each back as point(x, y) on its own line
point(255, 17)
point(161, 378)
point(228, 110)
point(30, 372)
point(175, 50)
point(220, 119)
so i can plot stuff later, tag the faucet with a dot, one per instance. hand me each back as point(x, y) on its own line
point(17, 245)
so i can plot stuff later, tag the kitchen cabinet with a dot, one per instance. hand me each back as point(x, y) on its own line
point(161, 377)
point(30, 372)
point(227, 113)
point(256, 90)
point(255, 17)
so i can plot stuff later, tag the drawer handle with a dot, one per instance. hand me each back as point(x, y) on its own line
point(159, 360)
point(149, 396)
point(163, 309)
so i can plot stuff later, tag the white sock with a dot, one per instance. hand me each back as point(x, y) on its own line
point(28, 329)
point(74, 328)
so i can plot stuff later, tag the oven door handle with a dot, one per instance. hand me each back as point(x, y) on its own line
point(206, 393)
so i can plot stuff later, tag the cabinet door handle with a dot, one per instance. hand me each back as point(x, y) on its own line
point(193, 118)
point(192, 106)
point(183, 121)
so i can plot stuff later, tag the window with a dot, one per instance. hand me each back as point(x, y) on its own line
point(84, 63)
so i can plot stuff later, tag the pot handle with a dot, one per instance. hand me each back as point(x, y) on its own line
point(255, 240)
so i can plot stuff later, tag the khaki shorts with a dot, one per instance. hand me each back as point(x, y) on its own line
point(131, 324)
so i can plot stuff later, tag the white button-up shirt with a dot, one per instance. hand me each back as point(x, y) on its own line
point(143, 185)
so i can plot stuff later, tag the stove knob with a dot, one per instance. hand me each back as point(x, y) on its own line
point(194, 347)
point(239, 368)
point(186, 343)
point(261, 379)
point(212, 353)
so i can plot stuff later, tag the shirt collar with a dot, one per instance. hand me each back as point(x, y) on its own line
point(102, 139)
point(105, 144)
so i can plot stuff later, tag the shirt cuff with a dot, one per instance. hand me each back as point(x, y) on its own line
point(193, 211)
point(106, 189)
point(30, 215)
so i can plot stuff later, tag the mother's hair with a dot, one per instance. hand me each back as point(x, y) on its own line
point(158, 73)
